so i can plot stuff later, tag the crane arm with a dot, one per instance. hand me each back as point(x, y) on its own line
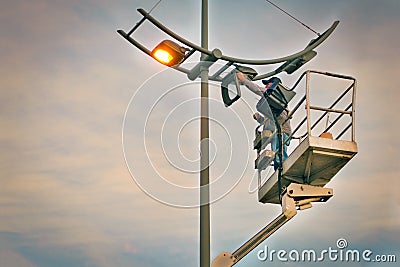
point(296, 197)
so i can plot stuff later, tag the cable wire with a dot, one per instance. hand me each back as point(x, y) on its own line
point(317, 33)
point(156, 4)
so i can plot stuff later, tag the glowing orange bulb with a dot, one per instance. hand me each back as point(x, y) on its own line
point(163, 56)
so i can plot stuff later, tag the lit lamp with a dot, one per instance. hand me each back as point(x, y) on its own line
point(169, 53)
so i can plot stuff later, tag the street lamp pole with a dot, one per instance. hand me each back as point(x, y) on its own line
point(205, 258)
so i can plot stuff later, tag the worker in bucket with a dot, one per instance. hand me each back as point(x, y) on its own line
point(268, 113)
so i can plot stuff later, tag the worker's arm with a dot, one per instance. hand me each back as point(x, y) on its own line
point(249, 84)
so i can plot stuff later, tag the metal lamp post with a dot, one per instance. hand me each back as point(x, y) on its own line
point(205, 258)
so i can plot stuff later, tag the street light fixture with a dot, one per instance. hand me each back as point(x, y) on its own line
point(230, 84)
point(169, 53)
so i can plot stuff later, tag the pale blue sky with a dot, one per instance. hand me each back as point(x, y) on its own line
point(66, 195)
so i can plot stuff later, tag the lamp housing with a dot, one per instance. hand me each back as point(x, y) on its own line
point(169, 53)
point(230, 85)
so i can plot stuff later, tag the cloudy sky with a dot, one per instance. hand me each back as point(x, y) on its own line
point(99, 143)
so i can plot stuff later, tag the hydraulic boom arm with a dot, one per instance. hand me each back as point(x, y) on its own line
point(296, 196)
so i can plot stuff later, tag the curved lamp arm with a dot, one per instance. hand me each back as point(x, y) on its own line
point(313, 44)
